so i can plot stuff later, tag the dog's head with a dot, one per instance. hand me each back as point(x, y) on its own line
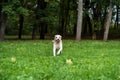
point(57, 38)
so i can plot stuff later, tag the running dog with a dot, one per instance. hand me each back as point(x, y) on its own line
point(57, 44)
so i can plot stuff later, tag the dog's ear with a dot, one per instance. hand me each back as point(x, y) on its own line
point(54, 35)
point(60, 36)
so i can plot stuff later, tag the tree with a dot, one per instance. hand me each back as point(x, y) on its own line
point(42, 24)
point(26, 17)
point(21, 21)
point(64, 16)
point(79, 21)
point(15, 8)
point(35, 26)
point(87, 26)
point(107, 24)
point(3, 20)
point(117, 18)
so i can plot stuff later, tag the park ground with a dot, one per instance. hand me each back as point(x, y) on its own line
point(33, 60)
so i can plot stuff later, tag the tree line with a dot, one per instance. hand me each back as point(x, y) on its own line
point(81, 18)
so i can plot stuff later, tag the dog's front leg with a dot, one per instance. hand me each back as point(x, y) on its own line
point(54, 51)
point(59, 51)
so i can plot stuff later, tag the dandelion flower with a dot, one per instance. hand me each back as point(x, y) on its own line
point(68, 61)
point(13, 59)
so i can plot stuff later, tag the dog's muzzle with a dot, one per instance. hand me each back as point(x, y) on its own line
point(57, 41)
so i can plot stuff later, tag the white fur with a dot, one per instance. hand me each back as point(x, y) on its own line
point(57, 44)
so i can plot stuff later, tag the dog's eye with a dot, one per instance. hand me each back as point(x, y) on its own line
point(55, 37)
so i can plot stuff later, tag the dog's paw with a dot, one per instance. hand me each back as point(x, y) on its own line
point(59, 53)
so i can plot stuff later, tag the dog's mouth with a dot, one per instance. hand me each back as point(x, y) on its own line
point(57, 41)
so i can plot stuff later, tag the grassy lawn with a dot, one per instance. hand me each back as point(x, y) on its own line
point(33, 60)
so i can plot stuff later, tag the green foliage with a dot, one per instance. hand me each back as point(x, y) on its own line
point(14, 7)
point(116, 2)
point(8, 9)
point(23, 11)
point(33, 60)
point(50, 15)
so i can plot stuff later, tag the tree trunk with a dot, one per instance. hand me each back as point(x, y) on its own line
point(61, 17)
point(107, 24)
point(42, 30)
point(74, 29)
point(3, 21)
point(42, 25)
point(34, 32)
point(103, 20)
point(64, 16)
point(87, 26)
point(21, 20)
point(35, 27)
point(117, 17)
point(79, 21)
point(67, 17)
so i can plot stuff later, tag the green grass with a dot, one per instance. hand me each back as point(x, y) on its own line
point(92, 60)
